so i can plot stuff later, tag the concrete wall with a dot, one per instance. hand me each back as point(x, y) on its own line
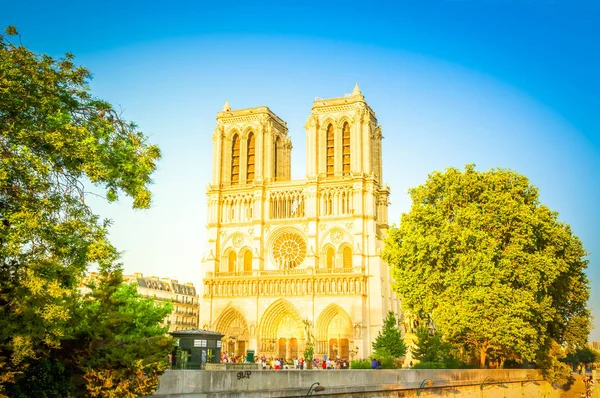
point(355, 383)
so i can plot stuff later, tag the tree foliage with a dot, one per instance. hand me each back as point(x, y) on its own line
point(57, 142)
point(585, 356)
point(389, 340)
point(430, 347)
point(117, 347)
point(493, 266)
point(309, 350)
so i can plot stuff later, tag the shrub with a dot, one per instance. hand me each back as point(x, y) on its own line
point(398, 363)
point(360, 364)
point(429, 365)
point(387, 362)
point(449, 363)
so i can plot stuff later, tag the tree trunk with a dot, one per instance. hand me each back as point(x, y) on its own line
point(482, 357)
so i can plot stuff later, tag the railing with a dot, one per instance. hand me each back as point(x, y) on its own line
point(185, 313)
point(298, 271)
point(180, 301)
point(285, 272)
point(183, 323)
point(345, 270)
point(230, 274)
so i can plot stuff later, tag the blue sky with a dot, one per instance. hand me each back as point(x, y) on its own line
point(499, 83)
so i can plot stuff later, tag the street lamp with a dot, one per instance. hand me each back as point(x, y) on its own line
point(315, 387)
point(529, 380)
point(487, 380)
point(426, 382)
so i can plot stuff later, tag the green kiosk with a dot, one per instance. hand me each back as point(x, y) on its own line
point(195, 347)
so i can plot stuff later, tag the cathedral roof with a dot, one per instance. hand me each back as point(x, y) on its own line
point(354, 97)
point(247, 113)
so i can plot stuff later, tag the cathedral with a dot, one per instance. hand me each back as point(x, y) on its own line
point(288, 258)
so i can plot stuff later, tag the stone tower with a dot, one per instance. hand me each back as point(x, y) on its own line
point(285, 255)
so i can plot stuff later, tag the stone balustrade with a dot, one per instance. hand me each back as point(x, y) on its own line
point(291, 282)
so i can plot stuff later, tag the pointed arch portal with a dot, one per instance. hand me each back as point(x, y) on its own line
point(334, 332)
point(281, 331)
point(234, 327)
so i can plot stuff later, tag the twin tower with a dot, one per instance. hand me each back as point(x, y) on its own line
point(342, 139)
point(290, 257)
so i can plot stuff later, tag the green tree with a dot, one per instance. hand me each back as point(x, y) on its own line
point(585, 356)
point(430, 347)
point(117, 347)
point(389, 340)
point(57, 143)
point(120, 348)
point(309, 350)
point(494, 267)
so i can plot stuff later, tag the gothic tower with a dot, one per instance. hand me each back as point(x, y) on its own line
point(343, 138)
point(250, 145)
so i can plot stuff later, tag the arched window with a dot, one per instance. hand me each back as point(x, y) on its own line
point(231, 263)
point(330, 257)
point(248, 261)
point(346, 148)
point(330, 151)
point(250, 158)
point(235, 159)
point(347, 257)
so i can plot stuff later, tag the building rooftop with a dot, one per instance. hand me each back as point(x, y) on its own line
point(193, 332)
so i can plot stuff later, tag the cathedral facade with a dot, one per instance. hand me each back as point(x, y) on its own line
point(287, 258)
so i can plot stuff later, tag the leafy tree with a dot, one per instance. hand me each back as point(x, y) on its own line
point(309, 351)
point(494, 267)
point(129, 347)
point(585, 356)
point(431, 347)
point(117, 347)
point(389, 340)
point(57, 142)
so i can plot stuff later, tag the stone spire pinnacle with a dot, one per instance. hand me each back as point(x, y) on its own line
point(226, 107)
point(356, 90)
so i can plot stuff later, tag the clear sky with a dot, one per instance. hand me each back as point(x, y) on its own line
point(498, 83)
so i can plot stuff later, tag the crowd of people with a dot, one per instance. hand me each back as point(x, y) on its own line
point(589, 384)
point(297, 363)
point(300, 363)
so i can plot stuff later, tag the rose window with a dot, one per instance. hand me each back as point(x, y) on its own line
point(289, 250)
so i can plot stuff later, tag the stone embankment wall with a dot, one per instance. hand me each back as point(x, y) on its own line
point(355, 383)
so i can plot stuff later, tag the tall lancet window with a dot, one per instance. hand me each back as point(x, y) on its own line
point(235, 159)
point(346, 148)
point(330, 257)
point(330, 151)
point(250, 159)
point(231, 262)
point(275, 153)
point(347, 257)
point(247, 261)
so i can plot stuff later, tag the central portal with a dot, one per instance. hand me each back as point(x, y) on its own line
point(281, 324)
